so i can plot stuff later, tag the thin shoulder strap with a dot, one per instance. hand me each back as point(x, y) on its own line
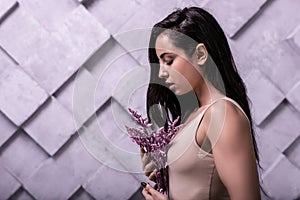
point(237, 105)
point(229, 99)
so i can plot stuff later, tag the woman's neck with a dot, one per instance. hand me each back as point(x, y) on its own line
point(207, 94)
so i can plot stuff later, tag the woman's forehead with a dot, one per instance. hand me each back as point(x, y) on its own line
point(164, 44)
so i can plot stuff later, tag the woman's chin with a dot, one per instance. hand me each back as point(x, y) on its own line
point(182, 91)
point(179, 92)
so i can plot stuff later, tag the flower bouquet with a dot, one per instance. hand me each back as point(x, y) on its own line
point(155, 143)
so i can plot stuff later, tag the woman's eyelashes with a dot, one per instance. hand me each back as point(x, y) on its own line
point(170, 62)
point(169, 59)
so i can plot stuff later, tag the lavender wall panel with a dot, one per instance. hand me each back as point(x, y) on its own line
point(48, 49)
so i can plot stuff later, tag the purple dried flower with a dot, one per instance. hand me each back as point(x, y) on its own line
point(155, 143)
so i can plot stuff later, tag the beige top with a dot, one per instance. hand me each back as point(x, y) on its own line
point(192, 171)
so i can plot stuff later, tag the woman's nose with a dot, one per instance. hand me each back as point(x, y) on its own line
point(162, 71)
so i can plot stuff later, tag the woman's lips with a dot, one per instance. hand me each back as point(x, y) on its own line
point(170, 85)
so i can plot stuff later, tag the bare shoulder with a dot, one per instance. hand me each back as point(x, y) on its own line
point(235, 135)
point(233, 114)
point(223, 120)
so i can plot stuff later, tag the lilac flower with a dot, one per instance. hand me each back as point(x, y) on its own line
point(155, 143)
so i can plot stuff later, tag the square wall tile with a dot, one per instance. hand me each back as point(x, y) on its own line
point(22, 149)
point(270, 53)
point(52, 57)
point(8, 184)
point(103, 12)
point(51, 181)
point(51, 127)
point(22, 46)
point(48, 12)
point(106, 181)
point(279, 131)
point(237, 13)
point(20, 95)
point(83, 34)
point(78, 160)
point(108, 65)
point(65, 94)
point(264, 95)
point(282, 179)
point(76, 38)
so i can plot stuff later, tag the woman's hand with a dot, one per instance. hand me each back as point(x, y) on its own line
point(148, 165)
point(151, 194)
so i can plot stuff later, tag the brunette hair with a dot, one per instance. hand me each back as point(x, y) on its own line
point(201, 27)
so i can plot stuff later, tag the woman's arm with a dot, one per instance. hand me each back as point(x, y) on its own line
point(233, 151)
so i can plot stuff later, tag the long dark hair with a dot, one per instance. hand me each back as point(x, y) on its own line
point(201, 27)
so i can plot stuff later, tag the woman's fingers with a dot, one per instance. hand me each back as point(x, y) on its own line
point(148, 165)
point(142, 152)
point(145, 160)
point(146, 194)
point(145, 157)
point(152, 176)
point(149, 168)
point(150, 193)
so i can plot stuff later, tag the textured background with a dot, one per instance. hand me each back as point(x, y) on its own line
point(44, 44)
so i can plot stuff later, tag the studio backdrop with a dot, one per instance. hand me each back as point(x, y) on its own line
point(69, 70)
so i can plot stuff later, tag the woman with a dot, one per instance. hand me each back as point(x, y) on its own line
point(193, 75)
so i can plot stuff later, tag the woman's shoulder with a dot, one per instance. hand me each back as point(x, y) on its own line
point(229, 110)
point(223, 117)
point(235, 114)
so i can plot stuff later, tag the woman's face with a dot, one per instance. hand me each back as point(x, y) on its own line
point(180, 73)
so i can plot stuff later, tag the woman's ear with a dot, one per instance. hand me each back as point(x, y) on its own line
point(201, 54)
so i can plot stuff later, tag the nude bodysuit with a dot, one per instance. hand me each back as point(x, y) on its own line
point(192, 171)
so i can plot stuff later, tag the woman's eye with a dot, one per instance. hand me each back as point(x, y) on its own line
point(170, 62)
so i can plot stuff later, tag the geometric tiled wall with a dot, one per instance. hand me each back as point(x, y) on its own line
point(46, 45)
